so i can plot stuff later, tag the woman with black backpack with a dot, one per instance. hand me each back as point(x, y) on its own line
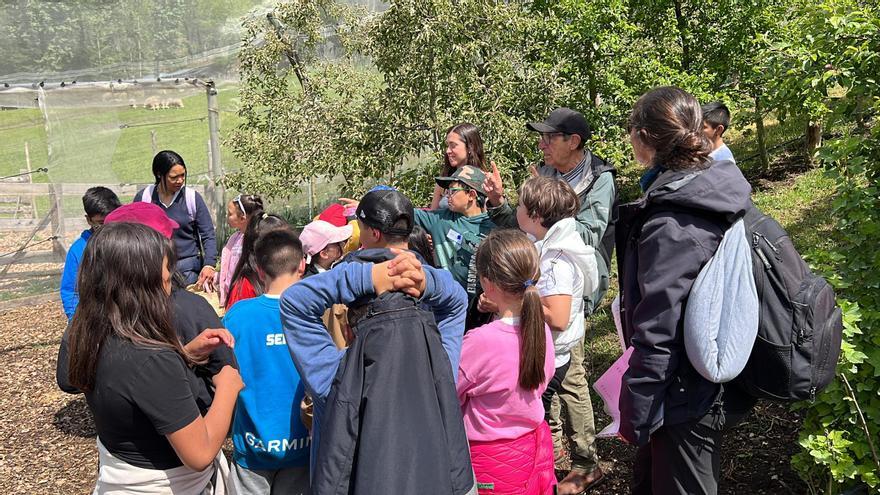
point(673, 414)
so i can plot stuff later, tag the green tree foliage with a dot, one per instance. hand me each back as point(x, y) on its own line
point(833, 72)
point(432, 64)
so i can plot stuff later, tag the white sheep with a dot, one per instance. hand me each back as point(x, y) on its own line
point(153, 103)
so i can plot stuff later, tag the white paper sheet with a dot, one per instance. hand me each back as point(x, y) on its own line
point(608, 387)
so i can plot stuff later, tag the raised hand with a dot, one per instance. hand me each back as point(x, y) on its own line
point(494, 187)
point(349, 203)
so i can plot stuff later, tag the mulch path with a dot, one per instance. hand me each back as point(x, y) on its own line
point(48, 436)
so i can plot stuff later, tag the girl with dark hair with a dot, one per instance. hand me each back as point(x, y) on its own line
point(504, 369)
point(128, 360)
point(420, 242)
point(245, 282)
point(464, 146)
point(195, 238)
point(239, 211)
point(673, 414)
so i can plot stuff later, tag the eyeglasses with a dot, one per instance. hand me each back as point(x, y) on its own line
point(452, 190)
point(546, 137)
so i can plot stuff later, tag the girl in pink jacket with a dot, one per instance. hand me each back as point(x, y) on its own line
point(238, 213)
point(505, 367)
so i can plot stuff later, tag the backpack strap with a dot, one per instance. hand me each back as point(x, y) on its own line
point(598, 166)
point(147, 194)
point(190, 196)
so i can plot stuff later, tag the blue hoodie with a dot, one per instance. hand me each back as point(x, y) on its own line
point(69, 295)
point(315, 355)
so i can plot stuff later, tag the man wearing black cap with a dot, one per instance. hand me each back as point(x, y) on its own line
point(563, 136)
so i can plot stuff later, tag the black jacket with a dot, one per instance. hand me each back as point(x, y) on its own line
point(392, 423)
point(663, 241)
point(191, 315)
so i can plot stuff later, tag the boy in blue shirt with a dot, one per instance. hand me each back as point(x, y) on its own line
point(271, 443)
point(98, 202)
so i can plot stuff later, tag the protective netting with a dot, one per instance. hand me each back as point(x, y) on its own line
point(93, 109)
point(85, 135)
point(106, 133)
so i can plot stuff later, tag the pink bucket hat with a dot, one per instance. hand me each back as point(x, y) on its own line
point(146, 214)
point(318, 234)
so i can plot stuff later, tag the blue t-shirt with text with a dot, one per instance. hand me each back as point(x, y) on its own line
point(267, 431)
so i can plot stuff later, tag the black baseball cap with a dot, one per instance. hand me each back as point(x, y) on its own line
point(564, 120)
point(382, 209)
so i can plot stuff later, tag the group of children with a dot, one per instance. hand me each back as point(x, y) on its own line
point(500, 377)
point(368, 370)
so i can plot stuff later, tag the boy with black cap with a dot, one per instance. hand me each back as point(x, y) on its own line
point(458, 230)
point(386, 414)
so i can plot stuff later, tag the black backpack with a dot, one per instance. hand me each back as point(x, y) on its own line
point(800, 325)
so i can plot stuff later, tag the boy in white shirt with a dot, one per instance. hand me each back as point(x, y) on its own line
point(716, 120)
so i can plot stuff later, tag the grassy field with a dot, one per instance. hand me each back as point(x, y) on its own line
point(112, 144)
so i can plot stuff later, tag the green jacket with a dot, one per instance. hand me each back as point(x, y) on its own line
point(597, 192)
point(455, 239)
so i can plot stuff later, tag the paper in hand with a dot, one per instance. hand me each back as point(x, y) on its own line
point(608, 386)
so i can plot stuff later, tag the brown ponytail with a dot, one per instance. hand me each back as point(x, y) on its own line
point(670, 121)
point(509, 260)
point(533, 341)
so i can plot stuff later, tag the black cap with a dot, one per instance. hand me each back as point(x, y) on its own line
point(564, 120)
point(383, 209)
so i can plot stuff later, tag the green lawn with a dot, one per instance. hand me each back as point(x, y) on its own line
point(104, 144)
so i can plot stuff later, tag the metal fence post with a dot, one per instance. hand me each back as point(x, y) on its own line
point(215, 170)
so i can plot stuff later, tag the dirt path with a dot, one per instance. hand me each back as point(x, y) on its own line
point(49, 438)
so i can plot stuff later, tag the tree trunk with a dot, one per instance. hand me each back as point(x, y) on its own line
point(591, 79)
point(681, 23)
point(759, 124)
point(814, 140)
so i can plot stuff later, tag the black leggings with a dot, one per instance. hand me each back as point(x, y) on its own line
point(553, 387)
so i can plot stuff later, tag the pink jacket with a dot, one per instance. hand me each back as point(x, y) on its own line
point(228, 261)
point(521, 466)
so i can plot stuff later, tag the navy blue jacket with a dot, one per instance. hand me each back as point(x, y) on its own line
point(391, 421)
point(663, 241)
point(186, 238)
